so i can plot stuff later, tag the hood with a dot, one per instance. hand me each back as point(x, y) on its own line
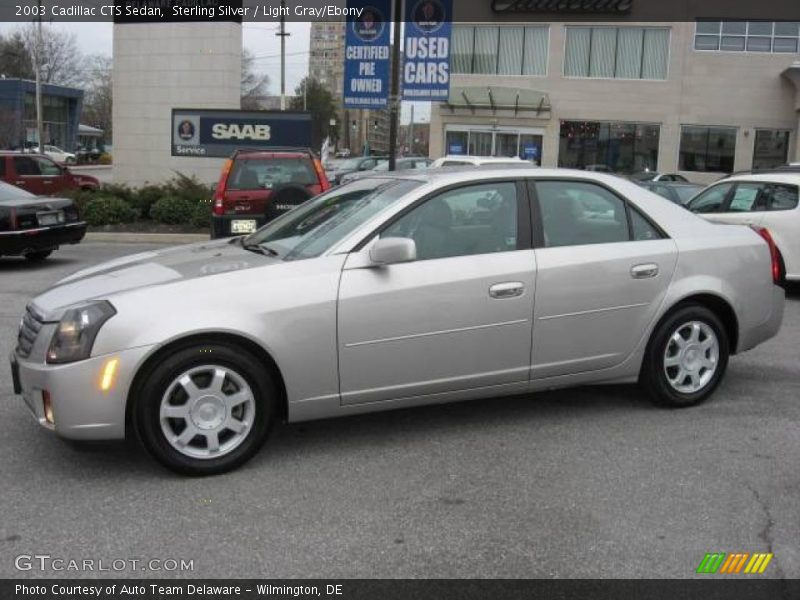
point(147, 269)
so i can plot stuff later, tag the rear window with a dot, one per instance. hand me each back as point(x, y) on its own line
point(267, 173)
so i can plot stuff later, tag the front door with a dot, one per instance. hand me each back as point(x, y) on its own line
point(603, 271)
point(457, 318)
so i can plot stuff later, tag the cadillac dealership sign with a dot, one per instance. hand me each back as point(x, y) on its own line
point(562, 6)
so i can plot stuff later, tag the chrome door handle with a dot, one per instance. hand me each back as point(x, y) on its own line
point(509, 289)
point(644, 271)
point(19, 183)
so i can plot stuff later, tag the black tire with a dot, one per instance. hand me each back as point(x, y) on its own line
point(653, 376)
point(158, 380)
point(38, 256)
point(284, 198)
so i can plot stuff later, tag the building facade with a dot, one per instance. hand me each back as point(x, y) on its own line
point(701, 98)
point(162, 66)
point(61, 110)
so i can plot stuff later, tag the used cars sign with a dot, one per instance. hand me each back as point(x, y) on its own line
point(217, 133)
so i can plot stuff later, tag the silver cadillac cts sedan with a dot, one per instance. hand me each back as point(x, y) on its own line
point(390, 292)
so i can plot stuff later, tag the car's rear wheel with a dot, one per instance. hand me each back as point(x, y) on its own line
point(686, 357)
point(206, 409)
point(39, 255)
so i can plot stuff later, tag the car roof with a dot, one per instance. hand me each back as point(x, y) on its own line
point(772, 177)
point(467, 174)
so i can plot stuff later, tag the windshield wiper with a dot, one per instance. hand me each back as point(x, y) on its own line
point(260, 249)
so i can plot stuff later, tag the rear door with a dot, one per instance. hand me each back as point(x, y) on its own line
point(602, 272)
point(26, 174)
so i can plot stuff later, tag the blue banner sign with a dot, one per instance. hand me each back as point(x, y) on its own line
point(218, 133)
point(426, 51)
point(366, 62)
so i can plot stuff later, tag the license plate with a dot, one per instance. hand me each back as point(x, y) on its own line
point(50, 218)
point(243, 226)
point(15, 377)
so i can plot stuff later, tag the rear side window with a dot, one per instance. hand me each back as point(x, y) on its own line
point(711, 200)
point(575, 213)
point(267, 173)
point(747, 197)
point(25, 165)
point(780, 196)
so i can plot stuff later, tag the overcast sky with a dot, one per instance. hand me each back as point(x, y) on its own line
point(258, 37)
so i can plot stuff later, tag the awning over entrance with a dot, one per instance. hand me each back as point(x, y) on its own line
point(496, 98)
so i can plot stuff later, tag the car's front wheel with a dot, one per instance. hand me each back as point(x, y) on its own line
point(686, 357)
point(206, 409)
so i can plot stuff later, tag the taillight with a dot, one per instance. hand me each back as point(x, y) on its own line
point(323, 180)
point(773, 252)
point(222, 184)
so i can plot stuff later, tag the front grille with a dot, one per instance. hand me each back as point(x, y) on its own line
point(28, 331)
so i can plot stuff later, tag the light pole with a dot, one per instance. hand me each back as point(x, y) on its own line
point(283, 35)
point(37, 67)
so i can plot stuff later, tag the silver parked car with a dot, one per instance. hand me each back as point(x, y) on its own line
point(396, 291)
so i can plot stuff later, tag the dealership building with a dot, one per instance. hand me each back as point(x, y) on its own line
point(701, 97)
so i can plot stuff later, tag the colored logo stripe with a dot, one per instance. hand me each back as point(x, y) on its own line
point(733, 563)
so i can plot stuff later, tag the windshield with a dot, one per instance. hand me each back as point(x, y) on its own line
point(321, 223)
point(687, 192)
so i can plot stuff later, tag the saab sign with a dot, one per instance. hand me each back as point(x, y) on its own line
point(218, 133)
point(426, 51)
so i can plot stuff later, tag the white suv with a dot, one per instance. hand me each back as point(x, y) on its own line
point(765, 201)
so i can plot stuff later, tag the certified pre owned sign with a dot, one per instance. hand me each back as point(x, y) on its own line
point(218, 133)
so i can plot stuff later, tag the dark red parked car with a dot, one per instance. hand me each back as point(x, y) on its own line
point(256, 186)
point(41, 175)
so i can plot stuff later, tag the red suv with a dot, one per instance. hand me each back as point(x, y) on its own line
point(256, 186)
point(41, 175)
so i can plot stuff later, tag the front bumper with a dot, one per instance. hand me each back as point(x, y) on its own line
point(43, 238)
point(81, 410)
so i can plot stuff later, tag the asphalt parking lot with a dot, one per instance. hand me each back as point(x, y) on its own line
point(591, 482)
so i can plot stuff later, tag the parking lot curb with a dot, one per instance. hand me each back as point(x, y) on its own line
point(145, 238)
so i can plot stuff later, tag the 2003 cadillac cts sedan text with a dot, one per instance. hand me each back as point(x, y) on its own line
point(396, 291)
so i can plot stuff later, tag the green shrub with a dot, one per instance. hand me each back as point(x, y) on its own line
point(189, 188)
point(79, 196)
point(173, 210)
point(108, 210)
point(201, 217)
point(105, 159)
point(119, 190)
point(145, 197)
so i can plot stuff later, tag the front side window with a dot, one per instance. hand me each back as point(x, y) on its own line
point(47, 167)
point(617, 52)
point(712, 200)
point(321, 223)
point(747, 197)
point(575, 213)
point(475, 219)
point(707, 149)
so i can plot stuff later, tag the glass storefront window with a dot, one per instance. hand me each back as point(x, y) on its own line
point(771, 148)
point(617, 52)
point(524, 144)
point(500, 50)
point(617, 147)
point(707, 149)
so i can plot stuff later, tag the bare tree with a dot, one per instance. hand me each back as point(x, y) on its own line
point(254, 84)
point(61, 59)
point(97, 100)
point(10, 129)
point(15, 60)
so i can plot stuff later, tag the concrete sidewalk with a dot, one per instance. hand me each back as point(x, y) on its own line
point(145, 238)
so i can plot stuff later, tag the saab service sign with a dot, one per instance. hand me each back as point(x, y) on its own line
point(366, 54)
point(426, 50)
point(218, 133)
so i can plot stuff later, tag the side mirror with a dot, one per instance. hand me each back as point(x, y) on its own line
point(389, 251)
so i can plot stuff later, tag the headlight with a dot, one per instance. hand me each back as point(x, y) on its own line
point(77, 330)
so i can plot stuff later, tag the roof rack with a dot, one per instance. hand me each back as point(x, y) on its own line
point(304, 149)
